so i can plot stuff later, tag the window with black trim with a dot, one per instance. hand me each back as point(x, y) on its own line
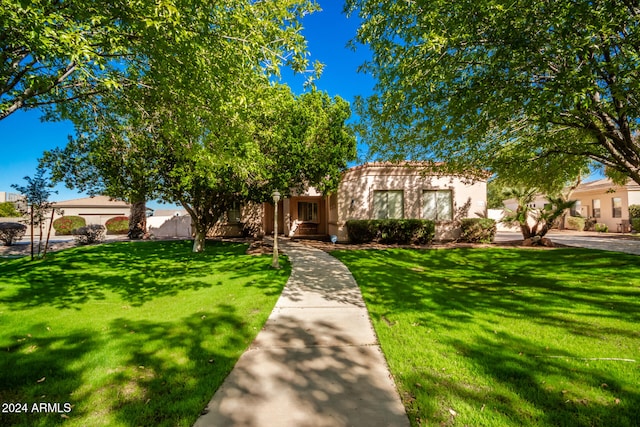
point(616, 204)
point(595, 206)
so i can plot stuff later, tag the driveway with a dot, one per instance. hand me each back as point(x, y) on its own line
point(590, 240)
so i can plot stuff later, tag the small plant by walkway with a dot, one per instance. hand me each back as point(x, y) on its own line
point(502, 337)
point(127, 334)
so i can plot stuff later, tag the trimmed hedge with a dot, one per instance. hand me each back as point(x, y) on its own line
point(117, 225)
point(92, 233)
point(65, 225)
point(635, 223)
point(403, 231)
point(478, 230)
point(602, 228)
point(11, 232)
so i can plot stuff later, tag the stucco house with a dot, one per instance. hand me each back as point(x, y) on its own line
point(369, 191)
point(381, 190)
point(607, 202)
point(95, 210)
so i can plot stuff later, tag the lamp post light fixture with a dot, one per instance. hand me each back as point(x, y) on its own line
point(276, 199)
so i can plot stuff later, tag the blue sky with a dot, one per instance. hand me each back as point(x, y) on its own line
point(24, 137)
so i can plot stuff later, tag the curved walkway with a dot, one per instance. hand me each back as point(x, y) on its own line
point(315, 363)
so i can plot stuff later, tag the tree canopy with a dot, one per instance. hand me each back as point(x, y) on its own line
point(203, 125)
point(502, 84)
point(56, 51)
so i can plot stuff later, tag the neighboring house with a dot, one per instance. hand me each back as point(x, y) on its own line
point(95, 210)
point(377, 191)
point(606, 202)
point(601, 200)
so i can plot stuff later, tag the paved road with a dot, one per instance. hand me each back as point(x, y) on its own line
point(605, 242)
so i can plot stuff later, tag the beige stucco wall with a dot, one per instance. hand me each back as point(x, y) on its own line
point(605, 195)
point(354, 198)
point(95, 215)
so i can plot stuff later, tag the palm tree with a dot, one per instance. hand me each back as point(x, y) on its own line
point(534, 223)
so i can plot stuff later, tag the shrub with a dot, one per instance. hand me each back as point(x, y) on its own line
point(117, 225)
point(92, 233)
point(361, 230)
point(11, 232)
point(590, 224)
point(575, 223)
point(634, 211)
point(391, 231)
point(635, 223)
point(478, 230)
point(602, 228)
point(8, 210)
point(65, 225)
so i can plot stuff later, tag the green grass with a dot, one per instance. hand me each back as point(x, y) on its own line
point(507, 337)
point(130, 334)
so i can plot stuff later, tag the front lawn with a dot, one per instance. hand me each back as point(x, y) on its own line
point(127, 334)
point(504, 337)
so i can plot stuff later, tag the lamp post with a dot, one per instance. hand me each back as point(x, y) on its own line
point(276, 199)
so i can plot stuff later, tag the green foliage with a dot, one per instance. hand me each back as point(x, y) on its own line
point(601, 228)
point(524, 215)
point(206, 127)
point(576, 223)
point(495, 190)
point(635, 223)
point(65, 225)
point(168, 322)
point(117, 225)
point(36, 194)
point(634, 211)
point(10, 232)
point(401, 231)
point(89, 234)
point(361, 230)
point(478, 230)
point(506, 337)
point(8, 210)
point(58, 51)
point(590, 224)
point(441, 84)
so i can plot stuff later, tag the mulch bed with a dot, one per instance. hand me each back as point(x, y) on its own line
point(328, 246)
point(258, 247)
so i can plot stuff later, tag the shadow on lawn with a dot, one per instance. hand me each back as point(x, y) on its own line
point(452, 290)
point(164, 375)
point(136, 271)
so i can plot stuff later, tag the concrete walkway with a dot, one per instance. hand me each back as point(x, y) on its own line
point(316, 362)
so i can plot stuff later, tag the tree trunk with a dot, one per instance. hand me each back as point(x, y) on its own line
point(199, 240)
point(31, 232)
point(46, 244)
point(138, 220)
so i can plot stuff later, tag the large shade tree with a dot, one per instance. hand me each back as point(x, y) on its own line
point(193, 124)
point(53, 51)
point(501, 83)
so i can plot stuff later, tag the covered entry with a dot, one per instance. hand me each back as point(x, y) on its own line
point(299, 216)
